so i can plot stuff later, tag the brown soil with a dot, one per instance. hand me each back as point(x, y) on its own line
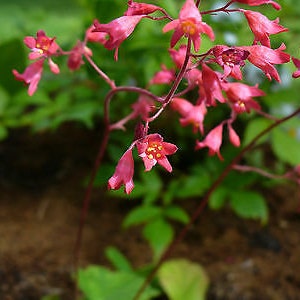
point(41, 196)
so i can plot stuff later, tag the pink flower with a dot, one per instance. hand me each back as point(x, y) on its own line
point(262, 27)
point(123, 173)
point(264, 58)
point(95, 37)
point(143, 106)
point(212, 86)
point(240, 95)
point(31, 75)
point(213, 141)
point(233, 136)
point(135, 8)
point(164, 76)
point(75, 57)
point(231, 59)
point(118, 31)
point(259, 2)
point(190, 25)
point(41, 46)
point(178, 56)
point(296, 62)
point(191, 114)
point(153, 150)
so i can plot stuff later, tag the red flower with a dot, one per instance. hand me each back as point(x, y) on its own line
point(212, 86)
point(75, 57)
point(296, 62)
point(123, 173)
point(231, 59)
point(213, 141)
point(41, 46)
point(262, 27)
point(31, 75)
point(135, 8)
point(118, 31)
point(191, 114)
point(240, 95)
point(189, 24)
point(164, 76)
point(153, 150)
point(264, 58)
point(259, 2)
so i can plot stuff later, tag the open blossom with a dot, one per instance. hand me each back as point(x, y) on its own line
point(231, 59)
point(152, 149)
point(190, 25)
point(241, 96)
point(213, 141)
point(296, 62)
point(262, 27)
point(118, 30)
point(41, 46)
point(191, 114)
point(136, 8)
point(31, 75)
point(259, 2)
point(264, 58)
point(123, 173)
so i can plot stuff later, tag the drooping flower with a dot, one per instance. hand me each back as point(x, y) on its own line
point(241, 96)
point(143, 106)
point(94, 36)
point(233, 136)
point(259, 2)
point(164, 76)
point(296, 62)
point(190, 25)
point(118, 30)
point(75, 58)
point(213, 141)
point(178, 56)
point(152, 149)
point(31, 75)
point(262, 27)
point(231, 59)
point(264, 58)
point(212, 86)
point(41, 46)
point(123, 174)
point(191, 114)
point(136, 8)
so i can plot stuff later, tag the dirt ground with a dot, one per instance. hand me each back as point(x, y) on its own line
point(41, 194)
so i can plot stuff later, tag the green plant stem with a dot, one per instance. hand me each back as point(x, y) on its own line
point(206, 197)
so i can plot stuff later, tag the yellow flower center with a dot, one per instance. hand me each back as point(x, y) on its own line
point(43, 44)
point(188, 27)
point(154, 151)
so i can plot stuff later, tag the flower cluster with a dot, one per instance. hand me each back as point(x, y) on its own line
point(215, 75)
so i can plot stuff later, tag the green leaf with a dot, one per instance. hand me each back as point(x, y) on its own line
point(175, 212)
point(218, 198)
point(119, 261)
point(99, 283)
point(142, 214)
point(159, 234)
point(182, 279)
point(254, 128)
point(286, 146)
point(247, 204)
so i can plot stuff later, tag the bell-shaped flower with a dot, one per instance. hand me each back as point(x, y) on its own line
point(152, 149)
point(233, 136)
point(241, 96)
point(212, 86)
point(262, 27)
point(118, 30)
point(213, 141)
point(189, 24)
point(164, 76)
point(75, 57)
point(136, 8)
point(259, 2)
point(31, 75)
point(264, 58)
point(123, 174)
point(95, 37)
point(41, 46)
point(296, 62)
point(178, 56)
point(191, 114)
point(231, 59)
point(143, 107)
